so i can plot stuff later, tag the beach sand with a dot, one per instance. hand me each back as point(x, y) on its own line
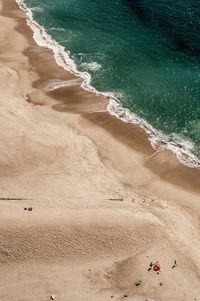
point(104, 203)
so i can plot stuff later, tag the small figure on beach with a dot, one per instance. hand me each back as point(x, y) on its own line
point(137, 283)
point(150, 266)
point(175, 264)
point(29, 209)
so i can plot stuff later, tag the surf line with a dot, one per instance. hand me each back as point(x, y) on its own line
point(62, 57)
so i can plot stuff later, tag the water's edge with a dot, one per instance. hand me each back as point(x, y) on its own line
point(62, 58)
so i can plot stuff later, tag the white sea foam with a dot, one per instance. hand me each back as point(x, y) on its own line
point(55, 84)
point(57, 29)
point(93, 66)
point(62, 57)
point(37, 9)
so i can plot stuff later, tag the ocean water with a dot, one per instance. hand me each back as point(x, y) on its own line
point(146, 53)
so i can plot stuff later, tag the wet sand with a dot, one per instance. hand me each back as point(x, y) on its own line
point(105, 203)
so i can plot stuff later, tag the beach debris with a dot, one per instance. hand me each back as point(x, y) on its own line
point(25, 208)
point(111, 296)
point(137, 283)
point(161, 283)
point(125, 296)
point(175, 264)
point(12, 199)
point(53, 297)
point(119, 200)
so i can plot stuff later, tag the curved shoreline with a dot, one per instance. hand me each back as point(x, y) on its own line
point(125, 145)
point(158, 140)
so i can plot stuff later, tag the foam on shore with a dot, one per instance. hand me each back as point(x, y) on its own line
point(182, 149)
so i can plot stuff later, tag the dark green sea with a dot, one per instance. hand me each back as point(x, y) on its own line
point(145, 53)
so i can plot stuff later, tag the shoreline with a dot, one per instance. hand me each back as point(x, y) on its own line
point(154, 169)
point(86, 202)
point(94, 110)
point(157, 140)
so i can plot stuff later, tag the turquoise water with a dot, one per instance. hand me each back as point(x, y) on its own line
point(146, 52)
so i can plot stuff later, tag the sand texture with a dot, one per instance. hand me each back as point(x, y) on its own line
point(104, 204)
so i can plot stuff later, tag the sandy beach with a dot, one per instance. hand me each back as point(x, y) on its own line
point(104, 203)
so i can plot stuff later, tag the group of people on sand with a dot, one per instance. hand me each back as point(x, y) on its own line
point(156, 266)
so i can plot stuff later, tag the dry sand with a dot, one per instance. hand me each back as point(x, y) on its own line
point(104, 203)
